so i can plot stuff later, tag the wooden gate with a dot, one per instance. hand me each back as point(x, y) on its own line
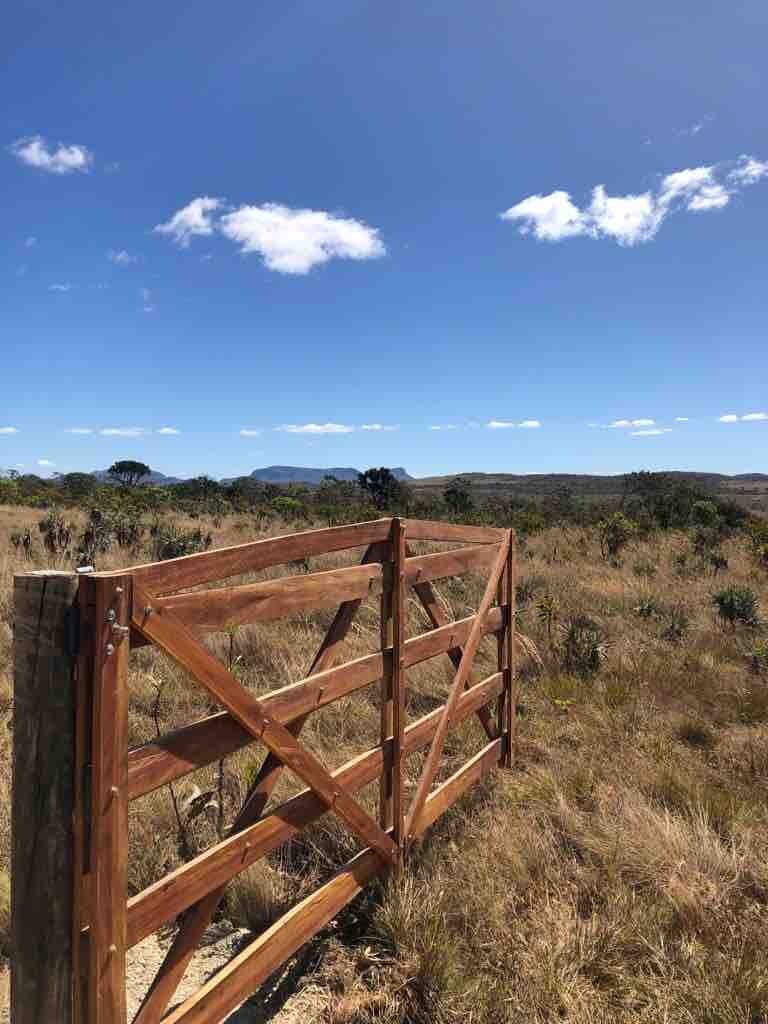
point(157, 604)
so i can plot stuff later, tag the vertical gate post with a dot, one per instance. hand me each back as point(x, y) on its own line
point(109, 601)
point(510, 667)
point(385, 730)
point(399, 620)
point(43, 878)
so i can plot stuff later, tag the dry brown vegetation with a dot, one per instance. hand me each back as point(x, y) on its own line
point(619, 873)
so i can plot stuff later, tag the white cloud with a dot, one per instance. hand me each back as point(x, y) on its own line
point(45, 462)
point(168, 431)
point(624, 424)
point(749, 171)
point(444, 426)
point(122, 431)
point(753, 417)
point(65, 287)
point(78, 430)
point(510, 424)
point(192, 219)
point(729, 418)
point(316, 428)
point(250, 432)
point(550, 217)
point(634, 218)
point(654, 432)
point(9, 430)
point(379, 426)
point(294, 241)
point(121, 257)
point(35, 152)
point(681, 419)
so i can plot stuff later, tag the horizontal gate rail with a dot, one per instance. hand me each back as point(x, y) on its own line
point(163, 604)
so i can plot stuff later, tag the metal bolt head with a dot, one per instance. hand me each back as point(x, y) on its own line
point(110, 649)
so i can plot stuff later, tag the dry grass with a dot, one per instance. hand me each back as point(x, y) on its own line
point(619, 874)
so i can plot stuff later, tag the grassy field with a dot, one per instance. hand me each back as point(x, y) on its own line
point(618, 874)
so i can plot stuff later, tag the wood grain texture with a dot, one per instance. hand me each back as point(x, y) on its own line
point(199, 916)
point(510, 660)
point(43, 796)
point(448, 792)
point(161, 578)
point(109, 803)
point(201, 743)
point(423, 529)
point(253, 965)
point(227, 607)
point(398, 682)
point(460, 679)
point(213, 868)
point(170, 634)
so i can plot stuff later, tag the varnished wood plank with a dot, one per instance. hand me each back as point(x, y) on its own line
point(109, 802)
point(448, 792)
point(199, 916)
point(478, 559)
point(245, 972)
point(169, 633)
point(510, 660)
point(193, 746)
point(44, 908)
point(399, 637)
point(161, 578)
point(424, 529)
point(213, 868)
point(227, 607)
point(462, 674)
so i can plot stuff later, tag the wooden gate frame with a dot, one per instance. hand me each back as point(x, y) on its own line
point(127, 608)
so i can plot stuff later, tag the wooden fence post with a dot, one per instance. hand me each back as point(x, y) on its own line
point(510, 667)
point(109, 602)
point(387, 714)
point(399, 636)
point(43, 883)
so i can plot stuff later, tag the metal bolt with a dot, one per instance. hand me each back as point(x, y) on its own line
point(111, 616)
point(118, 590)
point(148, 609)
point(112, 949)
point(110, 649)
point(114, 790)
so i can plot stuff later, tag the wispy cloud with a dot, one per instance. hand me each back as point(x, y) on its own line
point(63, 287)
point(444, 426)
point(653, 432)
point(9, 430)
point(634, 218)
point(316, 428)
point(122, 431)
point(121, 257)
point(250, 432)
point(750, 417)
point(625, 424)
point(380, 426)
point(168, 431)
point(34, 151)
point(682, 419)
point(288, 240)
point(78, 430)
point(511, 424)
point(193, 219)
point(45, 463)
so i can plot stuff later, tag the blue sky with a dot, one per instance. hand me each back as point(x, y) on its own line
point(237, 235)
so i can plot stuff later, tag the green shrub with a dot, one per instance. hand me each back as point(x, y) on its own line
point(648, 608)
point(676, 626)
point(644, 568)
point(615, 531)
point(736, 605)
point(582, 645)
point(171, 542)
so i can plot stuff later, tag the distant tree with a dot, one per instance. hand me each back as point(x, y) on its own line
point(77, 485)
point(381, 486)
point(615, 531)
point(458, 496)
point(128, 473)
